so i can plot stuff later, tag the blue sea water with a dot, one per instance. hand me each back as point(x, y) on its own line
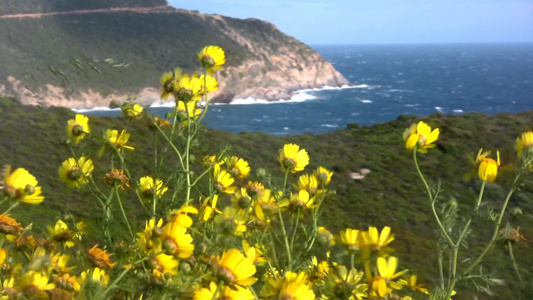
point(389, 80)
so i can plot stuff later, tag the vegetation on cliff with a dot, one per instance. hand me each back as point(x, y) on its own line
point(44, 6)
point(390, 195)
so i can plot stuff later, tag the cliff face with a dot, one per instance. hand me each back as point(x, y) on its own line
point(84, 58)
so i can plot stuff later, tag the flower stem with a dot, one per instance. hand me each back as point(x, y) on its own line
point(124, 212)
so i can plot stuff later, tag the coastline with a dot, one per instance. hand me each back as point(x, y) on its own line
point(297, 96)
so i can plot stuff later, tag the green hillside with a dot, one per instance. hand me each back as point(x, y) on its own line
point(391, 194)
point(43, 6)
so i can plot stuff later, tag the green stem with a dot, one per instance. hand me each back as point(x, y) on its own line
point(465, 230)
point(284, 231)
point(428, 190)
point(441, 270)
point(219, 286)
point(496, 230)
point(124, 213)
point(515, 266)
point(11, 207)
point(295, 229)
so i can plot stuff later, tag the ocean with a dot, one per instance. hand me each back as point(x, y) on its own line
point(386, 81)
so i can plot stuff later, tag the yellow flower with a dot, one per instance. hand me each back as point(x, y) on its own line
point(76, 173)
point(383, 284)
point(77, 128)
point(131, 111)
point(225, 293)
point(241, 200)
point(209, 210)
point(254, 188)
point(67, 282)
point(97, 275)
point(61, 234)
point(374, 240)
point(212, 58)
point(209, 84)
point(412, 283)
point(320, 269)
point(234, 268)
point(58, 262)
point(145, 238)
point(324, 236)
point(181, 216)
point(296, 291)
point(323, 175)
point(223, 181)
point(148, 189)
point(9, 225)
point(168, 83)
point(253, 253)
point(33, 284)
point(182, 110)
point(176, 240)
point(421, 136)
point(99, 258)
point(237, 167)
point(21, 186)
point(524, 143)
point(3, 255)
point(163, 264)
point(118, 140)
point(292, 158)
point(308, 182)
point(291, 286)
point(488, 167)
point(232, 221)
point(188, 88)
point(350, 238)
point(298, 201)
point(345, 284)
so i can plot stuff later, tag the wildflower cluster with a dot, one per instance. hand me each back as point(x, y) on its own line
point(210, 228)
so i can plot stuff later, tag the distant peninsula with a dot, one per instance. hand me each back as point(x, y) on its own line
point(83, 54)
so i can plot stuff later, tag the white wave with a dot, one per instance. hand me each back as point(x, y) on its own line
point(438, 108)
point(98, 108)
point(248, 100)
point(366, 101)
point(458, 111)
point(161, 103)
point(329, 125)
point(328, 88)
point(411, 105)
point(285, 128)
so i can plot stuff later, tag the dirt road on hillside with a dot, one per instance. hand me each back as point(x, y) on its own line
point(142, 10)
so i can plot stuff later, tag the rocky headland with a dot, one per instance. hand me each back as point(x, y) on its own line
point(86, 57)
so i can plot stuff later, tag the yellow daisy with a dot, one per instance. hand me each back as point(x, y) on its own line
point(374, 240)
point(96, 275)
point(67, 282)
point(237, 167)
point(176, 240)
point(323, 175)
point(209, 210)
point(421, 136)
point(292, 158)
point(350, 238)
point(61, 234)
point(34, 284)
point(488, 167)
point(308, 183)
point(163, 264)
point(383, 284)
point(232, 221)
point(524, 143)
point(148, 189)
point(118, 140)
point(76, 173)
point(223, 181)
point(212, 58)
point(167, 84)
point(145, 239)
point(209, 84)
point(21, 186)
point(131, 111)
point(77, 128)
point(188, 88)
point(191, 108)
point(234, 268)
point(224, 293)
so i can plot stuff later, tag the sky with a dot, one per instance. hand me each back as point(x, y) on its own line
point(384, 21)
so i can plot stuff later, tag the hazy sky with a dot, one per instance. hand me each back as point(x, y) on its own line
point(384, 21)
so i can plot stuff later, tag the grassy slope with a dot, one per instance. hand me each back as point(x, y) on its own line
point(390, 195)
point(37, 6)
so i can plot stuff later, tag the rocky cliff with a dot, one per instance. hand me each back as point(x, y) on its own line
point(89, 55)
